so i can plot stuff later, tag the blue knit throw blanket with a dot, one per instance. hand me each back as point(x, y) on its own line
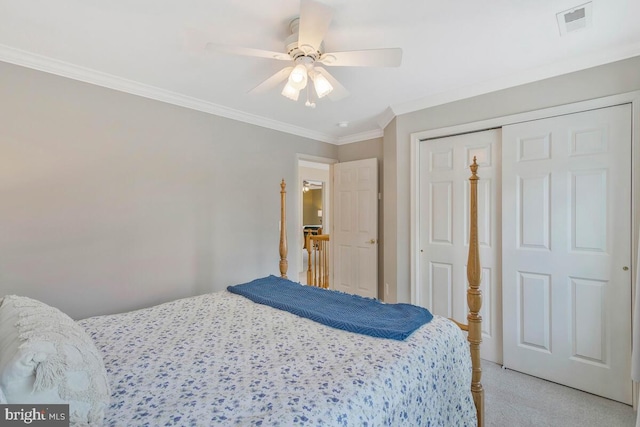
point(336, 309)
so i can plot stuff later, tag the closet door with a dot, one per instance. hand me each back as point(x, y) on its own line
point(566, 211)
point(444, 230)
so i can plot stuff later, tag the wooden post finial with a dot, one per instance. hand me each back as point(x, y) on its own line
point(474, 169)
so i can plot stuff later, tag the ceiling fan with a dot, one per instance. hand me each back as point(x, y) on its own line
point(305, 49)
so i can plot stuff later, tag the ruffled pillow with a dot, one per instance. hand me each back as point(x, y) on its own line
point(48, 358)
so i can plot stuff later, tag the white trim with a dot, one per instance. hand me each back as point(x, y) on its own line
point(314, 159)
point(385, 118)
point(357, 137)
point(99, 78)
point(417, 137)
point(635, 215)
point(313, 165)
point(414, 218)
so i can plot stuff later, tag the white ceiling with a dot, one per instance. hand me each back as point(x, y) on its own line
point(451, 50)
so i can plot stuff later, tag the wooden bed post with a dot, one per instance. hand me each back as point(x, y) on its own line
point(284, 264)
point(474, 297)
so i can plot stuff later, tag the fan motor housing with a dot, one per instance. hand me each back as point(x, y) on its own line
point(294, 50)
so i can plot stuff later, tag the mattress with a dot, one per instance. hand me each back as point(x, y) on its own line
point(220, 359)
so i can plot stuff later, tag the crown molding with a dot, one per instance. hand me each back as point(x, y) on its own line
point(362, 136)
point(385, 118)
point(521, 78)
point(87, 75)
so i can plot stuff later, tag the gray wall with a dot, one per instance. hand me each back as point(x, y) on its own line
point(369, 149)
point(110, 202)
point(597, 82)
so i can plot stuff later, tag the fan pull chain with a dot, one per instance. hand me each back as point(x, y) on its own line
point(309, 95)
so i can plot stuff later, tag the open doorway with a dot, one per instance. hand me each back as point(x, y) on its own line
point(314, 209)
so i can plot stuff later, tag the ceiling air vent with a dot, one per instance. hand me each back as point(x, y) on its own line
point(574, 19)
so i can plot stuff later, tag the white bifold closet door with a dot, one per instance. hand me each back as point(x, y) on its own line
point(444, 230)
point(566, 242)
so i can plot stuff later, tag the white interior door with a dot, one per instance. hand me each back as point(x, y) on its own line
point(566, 244)
point(355, 227)
point(444, 230)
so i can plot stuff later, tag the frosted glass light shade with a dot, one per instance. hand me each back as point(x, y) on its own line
point(322, 85)
point(298, 77)
point(290, 92)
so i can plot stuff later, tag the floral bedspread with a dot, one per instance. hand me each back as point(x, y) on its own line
point(220, 359)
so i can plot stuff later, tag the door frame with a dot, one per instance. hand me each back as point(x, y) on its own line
point(297, 202)
point(632, 98)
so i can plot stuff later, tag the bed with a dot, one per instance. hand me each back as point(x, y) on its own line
point(223, 359)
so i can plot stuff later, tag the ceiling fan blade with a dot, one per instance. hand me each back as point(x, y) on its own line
point(338, 91)
point(246, 51)
point(391, 57)
point(198, 41)
point(272, 81)
point(314, 22)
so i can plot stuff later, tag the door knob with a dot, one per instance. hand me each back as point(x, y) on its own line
point(625, 268)
point(372, 241)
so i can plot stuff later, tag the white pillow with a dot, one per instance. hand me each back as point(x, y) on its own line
point(48, 358)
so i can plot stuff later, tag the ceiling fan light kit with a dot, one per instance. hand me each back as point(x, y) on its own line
point(305, 48)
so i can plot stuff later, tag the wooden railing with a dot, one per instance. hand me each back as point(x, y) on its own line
point(318, 260)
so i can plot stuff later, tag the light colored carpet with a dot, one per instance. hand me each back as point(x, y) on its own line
point(513, 399)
